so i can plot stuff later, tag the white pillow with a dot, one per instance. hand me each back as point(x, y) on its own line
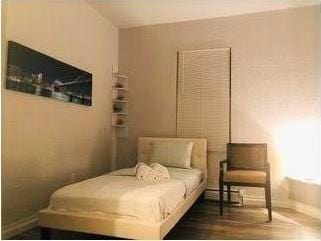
point(172, 154)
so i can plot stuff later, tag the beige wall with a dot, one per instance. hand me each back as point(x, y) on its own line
point(275, 75)
point(275, 78)
point(44, 141)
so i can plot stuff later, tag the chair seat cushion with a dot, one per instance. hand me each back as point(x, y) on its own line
point(245, 176)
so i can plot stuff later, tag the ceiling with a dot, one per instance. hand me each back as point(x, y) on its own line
point(133, 13)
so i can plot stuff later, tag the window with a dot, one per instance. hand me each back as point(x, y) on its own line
point(203, 96)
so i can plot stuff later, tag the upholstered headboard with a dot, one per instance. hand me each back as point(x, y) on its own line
point(199, 153)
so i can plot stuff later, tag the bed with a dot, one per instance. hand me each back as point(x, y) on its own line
point(116, 205)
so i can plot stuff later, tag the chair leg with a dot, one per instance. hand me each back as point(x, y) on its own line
point(202, 197)
point(268, 200)
point(221, 197)
point(45, 233)
point(270, 203)
point(228, 193)
point(266, 197)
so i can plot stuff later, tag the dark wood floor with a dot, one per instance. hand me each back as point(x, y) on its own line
point(204, 222)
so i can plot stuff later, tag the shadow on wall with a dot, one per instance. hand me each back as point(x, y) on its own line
point(246, 128)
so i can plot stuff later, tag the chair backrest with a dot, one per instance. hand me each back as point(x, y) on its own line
point(246, 156)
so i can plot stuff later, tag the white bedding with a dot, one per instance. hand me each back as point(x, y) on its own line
point(190, 177)
point(124, 195)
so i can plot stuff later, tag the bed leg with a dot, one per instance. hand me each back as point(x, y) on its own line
point(203, 196)
point(45, 233)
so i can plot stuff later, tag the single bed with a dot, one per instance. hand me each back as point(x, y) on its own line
point(116, 204)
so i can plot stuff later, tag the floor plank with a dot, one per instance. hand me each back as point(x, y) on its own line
point(203, 221)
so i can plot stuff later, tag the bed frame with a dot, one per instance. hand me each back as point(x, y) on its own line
point(126, 227)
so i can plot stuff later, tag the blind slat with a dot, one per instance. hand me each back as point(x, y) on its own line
point(203, 96)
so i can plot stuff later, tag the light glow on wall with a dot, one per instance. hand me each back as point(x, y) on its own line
point(298, 143)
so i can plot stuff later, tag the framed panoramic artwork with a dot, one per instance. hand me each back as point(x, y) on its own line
point(35, 73)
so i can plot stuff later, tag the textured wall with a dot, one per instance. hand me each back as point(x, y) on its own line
point(275, 78)
point(306, 193)
point(44, 141)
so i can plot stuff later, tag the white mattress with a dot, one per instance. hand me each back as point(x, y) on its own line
point(190, 177)
point(119, 193)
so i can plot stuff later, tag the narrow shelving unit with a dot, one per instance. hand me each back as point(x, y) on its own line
point(119, 125)
point(120, 113)
point(120, 104)
point(121, 101)
point(120, 89)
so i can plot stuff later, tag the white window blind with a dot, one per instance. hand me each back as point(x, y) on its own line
point(203, 96)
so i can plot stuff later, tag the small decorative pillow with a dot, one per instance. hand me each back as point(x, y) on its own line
point(161, 171)
point(155, 172)
point(139, 164)
point(145, 173)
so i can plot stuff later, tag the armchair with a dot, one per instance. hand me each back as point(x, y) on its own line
point(246, 165)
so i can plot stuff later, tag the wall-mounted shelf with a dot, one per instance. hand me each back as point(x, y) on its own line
point(120, 126)
point(120, 105)
point(121, 89)
point(117, 75)
point(121, 101)
point(120, 113)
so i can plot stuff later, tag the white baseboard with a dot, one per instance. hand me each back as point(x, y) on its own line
point(260, 201)
point(297, 206)
point(19, 226)
point(246, 199)
point(214, 195)
point(306, 209)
